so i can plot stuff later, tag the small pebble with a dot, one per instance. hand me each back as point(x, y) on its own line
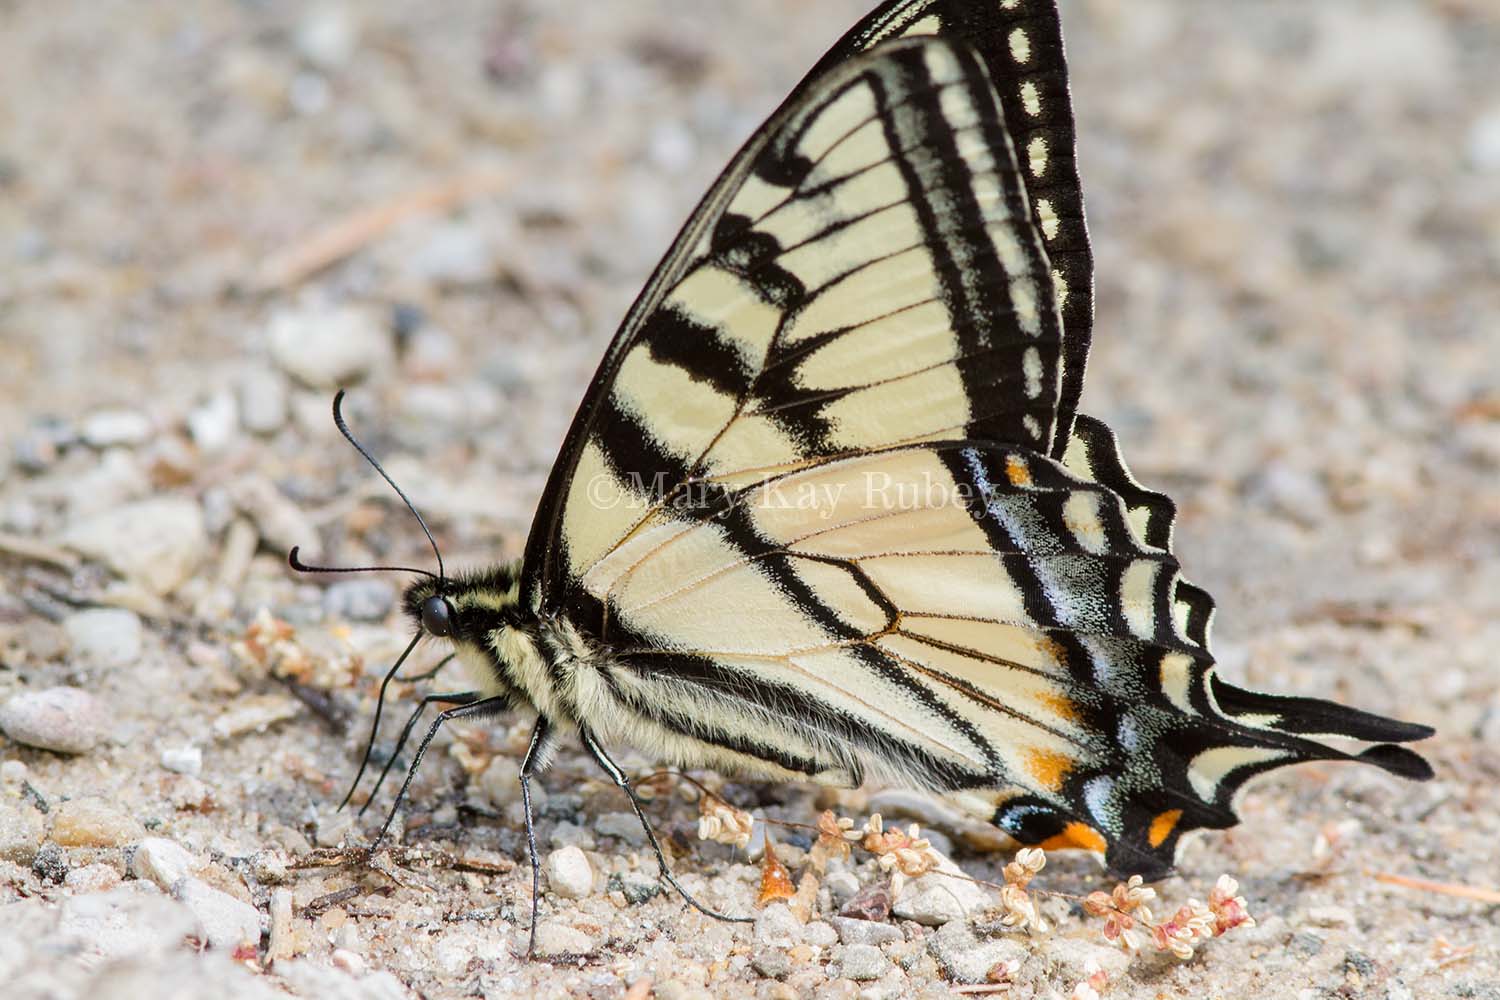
point(106, 637)
point(778, 927)
point(565, 834)
point(62, 719)
point(92, 878)
point(327, 36)
point(500, 784)
point(226, 922)
point(50, 863)
point(935, 899)
point(1330, 916)
point(13, 772)
point(162, 861)
point(184, 760)
point(327, 347)
point(842, 886)
point(621, 826)
point(40, 445)
point(569, 873)
point(560, 939)
point(21, 831)
point(334, 829)
point(634, 886)
point(214, 423)
point(863, 962)
point(92, 822)
point(350, 962)
point(264, 401)
point(360, 600)
point(967, 959)
point(1075, 959)
point(281, 942)
point(113, 428)
point(255, 713)
point(771, 962)
point(820, 934)
point(455, 255)
point(851, 931)
point(157, 543)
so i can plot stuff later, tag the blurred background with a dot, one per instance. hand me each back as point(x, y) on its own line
point(212, 214)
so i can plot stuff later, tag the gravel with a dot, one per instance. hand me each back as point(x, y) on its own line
point(569, 873)
point(162, 861)
point(863, 962)
point(63, 719)
point(105, 637)
point(1293, 215)
point(223, 921)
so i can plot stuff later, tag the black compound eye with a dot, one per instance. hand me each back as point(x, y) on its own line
point(437, 616)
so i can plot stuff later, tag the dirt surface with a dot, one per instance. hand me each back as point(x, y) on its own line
point(212, 213)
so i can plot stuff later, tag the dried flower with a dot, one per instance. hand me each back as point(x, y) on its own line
point(1228, 907)
point(1123, 909)
point(723, 823)
point(1028, 862)
point(835, 834)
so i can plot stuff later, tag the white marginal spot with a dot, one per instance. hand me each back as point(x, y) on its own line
point(1137, 597)
point(1177, 680)
point(1081, 516)
point(929, 25)
point(1209, 769)
point(1032, 426)
point(1047, 217)
point(1036, 155)
point(1031, 99)
point(1020, 46)
point(1009, 4)
point(1059, 287)
point(1031, 367)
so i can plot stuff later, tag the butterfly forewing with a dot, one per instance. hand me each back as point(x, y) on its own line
point(1021, 44)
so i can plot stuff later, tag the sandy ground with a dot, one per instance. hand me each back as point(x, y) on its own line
point(1296, 214)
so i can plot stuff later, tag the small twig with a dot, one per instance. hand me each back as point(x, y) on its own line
point(1443, 888)
point(30, 548)
point(293, 264)
point(328, 901)
point(982, 989)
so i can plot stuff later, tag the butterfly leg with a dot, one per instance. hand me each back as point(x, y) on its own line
point(455, 698)
point(485, 706)
point(619, 778)
point(543, 740)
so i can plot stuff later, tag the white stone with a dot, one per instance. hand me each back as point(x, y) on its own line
point(162, 861)
point(500, 783)
point(183, 760)
point(560, 939)
point(263, 399)
point(111, 428)
point(969, 960)
point(569, 873)
point(214, 423)
point(125, 922)
point(936, 898)
point(62, 719)
point(326, 347)
point(852, 931)
point(105, 637)
point(1484, 141)
point(157, 543)
point(778, 927)
point(226, 922)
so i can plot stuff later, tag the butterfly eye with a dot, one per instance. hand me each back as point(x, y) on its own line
point(437, 617)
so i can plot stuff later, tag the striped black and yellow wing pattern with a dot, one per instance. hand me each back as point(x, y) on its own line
point(827, 510)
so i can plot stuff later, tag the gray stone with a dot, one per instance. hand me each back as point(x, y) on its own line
point(264, 401)
point(105, 637)
point(569, 873)
point(567, 834)
point(21, 831)
point(853, 931)
point(500, 782)
point(621, 826)
point(360, 600)
point(157, 543)
point(163, 862)
point(863, 962)
point(967, 959)
point(938, 897)
point(455, 254)
point(113, 428)
point(772, 962)
point(634, 886)
point(778, 926)
point(224, 922)
point(842, 886)
point(329, 346)
point(560, 939)
point(63, 719)
point(820, 933)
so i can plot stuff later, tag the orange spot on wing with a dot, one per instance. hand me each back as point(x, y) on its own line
point(1061, 706)
point(1017, 472)
point(1076, 835)
point(1048, 768)
point(1162, 827)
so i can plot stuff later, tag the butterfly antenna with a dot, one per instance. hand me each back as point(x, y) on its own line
point(295, 561)
point(338, 420)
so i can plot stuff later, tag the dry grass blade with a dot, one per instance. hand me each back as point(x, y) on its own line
point(1442, 888)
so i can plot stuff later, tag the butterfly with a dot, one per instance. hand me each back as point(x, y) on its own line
point(828, 510)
